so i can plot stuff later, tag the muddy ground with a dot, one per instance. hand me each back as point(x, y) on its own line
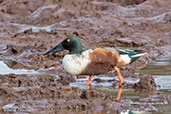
point(30, 27)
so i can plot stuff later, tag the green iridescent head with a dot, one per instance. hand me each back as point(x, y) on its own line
point(72, 44)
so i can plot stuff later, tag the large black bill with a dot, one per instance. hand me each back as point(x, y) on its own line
point(54, 50)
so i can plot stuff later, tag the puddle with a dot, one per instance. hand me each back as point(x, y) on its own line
point(161, 66)
point(160, 69)
point(5, 69)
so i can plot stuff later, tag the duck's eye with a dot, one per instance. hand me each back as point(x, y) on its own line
point(68, 40)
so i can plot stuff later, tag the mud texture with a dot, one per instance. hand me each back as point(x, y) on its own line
point(146, 83)
point(30, 27)
point(39, 94)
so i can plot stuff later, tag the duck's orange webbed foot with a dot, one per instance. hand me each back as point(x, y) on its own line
point(89, 80)
point(118, 94)
point(119, 75)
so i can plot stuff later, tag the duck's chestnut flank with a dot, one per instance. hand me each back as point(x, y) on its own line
point(102, 61)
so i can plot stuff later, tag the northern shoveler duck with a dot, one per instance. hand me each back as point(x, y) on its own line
point(93, 61)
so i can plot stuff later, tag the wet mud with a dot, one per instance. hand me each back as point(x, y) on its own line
point(35, 94)
point(29, 27)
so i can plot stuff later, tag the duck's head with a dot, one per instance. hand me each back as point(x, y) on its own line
point(72, 44)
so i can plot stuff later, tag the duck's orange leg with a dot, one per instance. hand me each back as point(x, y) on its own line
point(119, 94)
point(119, 75)
point(87, 83)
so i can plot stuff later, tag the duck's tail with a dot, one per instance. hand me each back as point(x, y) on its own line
point(134, 56)
point(129, 55)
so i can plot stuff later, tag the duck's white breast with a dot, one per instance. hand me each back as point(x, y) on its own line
point(76, 63)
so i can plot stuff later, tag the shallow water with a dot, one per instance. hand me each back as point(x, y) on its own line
point(161, 66)
point(161, 69)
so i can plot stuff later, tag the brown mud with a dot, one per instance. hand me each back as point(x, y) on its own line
point(29, 27)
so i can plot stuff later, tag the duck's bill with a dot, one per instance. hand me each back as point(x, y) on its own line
point(54, 50)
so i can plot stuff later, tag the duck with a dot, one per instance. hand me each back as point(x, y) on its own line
point(94, 60)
